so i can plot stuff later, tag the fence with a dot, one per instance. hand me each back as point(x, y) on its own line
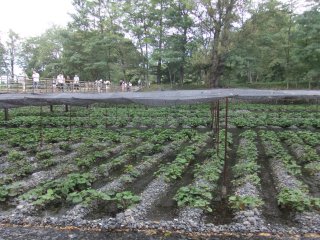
point(50, 86)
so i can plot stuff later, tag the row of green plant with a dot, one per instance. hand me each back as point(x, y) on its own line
point(74, 189)
point(274, 107)
point(246, 171)
point(194, 116)
point(310, 138)
point(294, 198)
point(174, 170)
point(307, 155)
point(103, 150)
point(120, 111)
point(248, 119)
point(200, 193)
point(276, 150)
point(132, 110)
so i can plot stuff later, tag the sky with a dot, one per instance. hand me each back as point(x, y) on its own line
point(31, 18)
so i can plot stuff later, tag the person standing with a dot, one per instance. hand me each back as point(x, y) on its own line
point(23, 80)
point(76, 82)
point(36, 79)
point(60, 82)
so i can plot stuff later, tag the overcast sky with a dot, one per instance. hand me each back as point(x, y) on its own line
point(32, 17)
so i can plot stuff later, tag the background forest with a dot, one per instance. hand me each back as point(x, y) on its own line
point(215, 43)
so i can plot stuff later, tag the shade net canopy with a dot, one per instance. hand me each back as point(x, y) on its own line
point(154, 98)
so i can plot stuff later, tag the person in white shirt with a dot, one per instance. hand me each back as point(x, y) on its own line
point(60, 82)
point(76, 81)
point(36, 80)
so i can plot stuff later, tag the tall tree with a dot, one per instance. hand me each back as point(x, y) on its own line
point(12, 50)
point(307, 51)
point(3, 65)
point(219, 17)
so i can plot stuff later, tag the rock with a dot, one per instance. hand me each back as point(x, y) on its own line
point(249, 213)
point(247, 223)
point(252, 220)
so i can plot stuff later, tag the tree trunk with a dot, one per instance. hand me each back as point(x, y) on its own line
point(159, 72)
point(222, 25)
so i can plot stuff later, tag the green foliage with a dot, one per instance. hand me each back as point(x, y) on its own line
point(15, 156)
point(59, 189)
point(277, 151)
point(296, 199)
point(123, 200)
point(44, 155)
point(243, 202)
point(3, 193)
point(194, 196)
point(174, 170)
point(65, 147)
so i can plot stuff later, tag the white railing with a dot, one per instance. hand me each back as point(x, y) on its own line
point(49, 86)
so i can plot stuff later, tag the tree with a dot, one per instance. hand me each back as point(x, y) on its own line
point(3, 65)
point(12, 51)
point(307, 52)
point(218, 17)
point(43, 53)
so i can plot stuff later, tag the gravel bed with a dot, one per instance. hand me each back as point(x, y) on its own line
point(250, 217)
point(80, 211)
point(308, 221)
point(189, 220)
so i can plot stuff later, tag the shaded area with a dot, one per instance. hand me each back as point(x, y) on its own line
point(156, 98)
point(166, 208)
point(222, 213)
point(271, 210)
point(22, 233)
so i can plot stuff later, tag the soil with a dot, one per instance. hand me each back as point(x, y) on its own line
point(222, 214)
point(271, 210)
point(166, 208)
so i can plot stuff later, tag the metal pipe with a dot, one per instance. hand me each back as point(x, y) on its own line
point(41, 127)
point(224, 186)
point(70, 127)
point(218, 126)
point(6, 114)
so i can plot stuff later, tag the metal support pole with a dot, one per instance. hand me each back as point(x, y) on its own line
point(218, 126)
point(70, 126)
point(224, 186)
point(41, 127)
point(51, 108)
point(66, 108)
point(212, 117)
point(6, 114)
point(106, 115)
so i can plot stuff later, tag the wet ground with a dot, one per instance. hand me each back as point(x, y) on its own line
point(28, 233)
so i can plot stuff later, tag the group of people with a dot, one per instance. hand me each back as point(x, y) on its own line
point(125, 86)
point(102, 85)
point(62, 84)
point(67, 84)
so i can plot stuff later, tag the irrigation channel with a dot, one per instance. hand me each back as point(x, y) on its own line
point(135, 172)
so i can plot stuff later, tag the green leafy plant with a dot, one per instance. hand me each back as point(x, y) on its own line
point(15, 156)
point(44, 155)
point(242, 202)
point(125, 199)
point(195, 196)
point(296, 199)
point(3, 193)
point(65, 147)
